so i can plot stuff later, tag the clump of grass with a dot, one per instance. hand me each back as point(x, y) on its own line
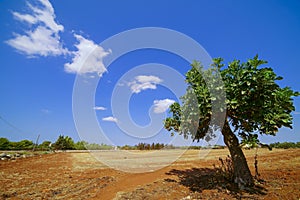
point(225, 169)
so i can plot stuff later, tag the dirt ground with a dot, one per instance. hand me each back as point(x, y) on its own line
point(78, 175)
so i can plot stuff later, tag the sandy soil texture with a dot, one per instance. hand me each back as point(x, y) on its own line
point(80, 175)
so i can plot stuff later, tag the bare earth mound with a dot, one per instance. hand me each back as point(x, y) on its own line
point(76, 175)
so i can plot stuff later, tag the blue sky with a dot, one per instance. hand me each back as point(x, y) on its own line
point(43, 43)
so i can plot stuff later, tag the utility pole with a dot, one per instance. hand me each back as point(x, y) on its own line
point(36, 142)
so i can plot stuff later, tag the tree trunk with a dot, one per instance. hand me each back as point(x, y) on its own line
point(242, 175)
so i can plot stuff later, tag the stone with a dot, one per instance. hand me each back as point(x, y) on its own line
point(2, 155)
point(17, 155)
point(8, 156)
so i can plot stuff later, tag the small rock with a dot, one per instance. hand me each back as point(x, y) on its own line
point(17, 155)
point(2, 155)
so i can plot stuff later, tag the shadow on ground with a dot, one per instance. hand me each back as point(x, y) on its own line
point(199, 179)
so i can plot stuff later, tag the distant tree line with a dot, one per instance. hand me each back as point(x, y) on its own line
point(62, 143)
point(146, 146)
point(5, 144)
point(207, 147)
point(67, 143)
point(285, 145)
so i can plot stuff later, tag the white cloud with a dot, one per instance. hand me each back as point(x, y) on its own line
point(39, 42)
point(44, 38)
point(110, 119)
point(88, 58)
point(296, 113)
point(99, 108)
point(25, 17)
point(143, 82)
point(161, 106)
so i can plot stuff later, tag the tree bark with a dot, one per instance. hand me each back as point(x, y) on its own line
point(242, 175)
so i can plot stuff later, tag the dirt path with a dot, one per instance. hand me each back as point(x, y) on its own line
point(128, 182)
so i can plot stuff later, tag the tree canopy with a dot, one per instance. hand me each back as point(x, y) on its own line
point(255, 103)
point(64, 143)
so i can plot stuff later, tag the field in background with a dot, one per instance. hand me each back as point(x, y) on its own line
point(79, 175)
